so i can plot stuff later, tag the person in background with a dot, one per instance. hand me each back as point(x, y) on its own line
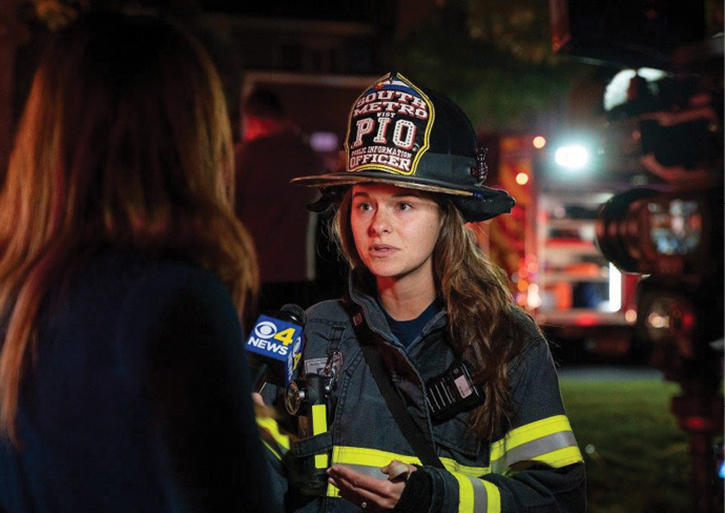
point(436, 392)
point(123, 277)
point(272, 151)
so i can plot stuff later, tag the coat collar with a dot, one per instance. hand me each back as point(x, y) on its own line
point(375, 317)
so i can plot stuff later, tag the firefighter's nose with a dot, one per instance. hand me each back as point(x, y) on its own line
point(381, 223)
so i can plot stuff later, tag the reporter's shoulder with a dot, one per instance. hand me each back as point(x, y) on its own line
point(165, 284)
point(183, 274)
point(174, 307)
point(131, 275)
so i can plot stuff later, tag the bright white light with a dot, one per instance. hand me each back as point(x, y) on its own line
point(615, 289)
point(572, 157)
point(616, 91)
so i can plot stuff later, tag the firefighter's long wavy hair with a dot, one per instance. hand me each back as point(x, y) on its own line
point(482, 317)
point(124, 142)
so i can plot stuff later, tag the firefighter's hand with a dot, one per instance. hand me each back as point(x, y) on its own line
point(398, 471)
point(368, 492)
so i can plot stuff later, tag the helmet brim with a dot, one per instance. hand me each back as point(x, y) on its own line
point(412, 182)
point(476, 203)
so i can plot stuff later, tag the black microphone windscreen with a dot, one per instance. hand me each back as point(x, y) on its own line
point(258, 370)
point(296, 313)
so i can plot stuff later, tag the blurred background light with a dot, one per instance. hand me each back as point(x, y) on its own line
point(324, 141)
point(616, 91)
point(572, 156)
point(539, 142)
point(615, 289)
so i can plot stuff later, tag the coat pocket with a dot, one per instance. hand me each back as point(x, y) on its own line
point(459, 440)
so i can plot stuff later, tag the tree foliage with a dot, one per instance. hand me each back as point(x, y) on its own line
point(493, 57)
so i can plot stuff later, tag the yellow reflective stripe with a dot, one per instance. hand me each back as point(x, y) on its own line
point(368, 457)
point(319, 419)
point(363, 457)
point(332, 491)
point(273, 450)
point(269, 425)
point(319, 426)
point(494, 497)
point(377, 458)
point(562, 457)
point(537, 429)
point(465, 493)
point(476, 495)
point(490, 500)
point(453, 466)
point(560, 437)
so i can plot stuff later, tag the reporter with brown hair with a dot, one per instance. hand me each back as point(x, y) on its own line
point(123, 277)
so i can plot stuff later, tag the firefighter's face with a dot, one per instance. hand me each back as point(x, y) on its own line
point(395, 230)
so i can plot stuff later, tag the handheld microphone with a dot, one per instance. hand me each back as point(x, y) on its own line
point(275, 346)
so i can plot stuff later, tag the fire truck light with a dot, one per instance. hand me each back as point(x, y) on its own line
point(522, 178)
point(615, 289)
point(572, 157)
point(539, 142)
point(586, 319)
point(533, 299)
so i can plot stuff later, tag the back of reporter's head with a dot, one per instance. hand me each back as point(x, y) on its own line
point(124, 142)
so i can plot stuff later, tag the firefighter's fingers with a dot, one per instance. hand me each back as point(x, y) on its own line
point(362, 490)
point(398, 471)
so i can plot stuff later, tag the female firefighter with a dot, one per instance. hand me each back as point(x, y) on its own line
point(425, 388)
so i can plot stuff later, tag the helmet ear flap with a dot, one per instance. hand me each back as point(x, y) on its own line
point(330, 197)
point(480, 207)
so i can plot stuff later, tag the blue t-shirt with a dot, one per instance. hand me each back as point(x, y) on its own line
point(407, 331)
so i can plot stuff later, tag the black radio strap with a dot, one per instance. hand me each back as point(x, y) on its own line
point(413, 432)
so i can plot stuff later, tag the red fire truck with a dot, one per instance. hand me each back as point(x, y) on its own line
point(549, 249)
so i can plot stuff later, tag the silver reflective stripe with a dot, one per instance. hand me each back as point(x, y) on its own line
point(534, 450)
point(480, 496)
point(364, 469)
